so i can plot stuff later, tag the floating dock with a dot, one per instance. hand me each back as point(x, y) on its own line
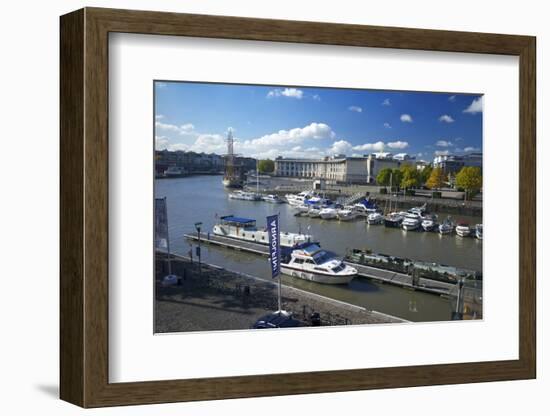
point(380, 275)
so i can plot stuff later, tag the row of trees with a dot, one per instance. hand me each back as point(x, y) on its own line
point(407, 176)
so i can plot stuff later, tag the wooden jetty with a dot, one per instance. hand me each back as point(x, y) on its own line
point(380, 275)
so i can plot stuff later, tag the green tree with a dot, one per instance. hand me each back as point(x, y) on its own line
point(266, 166)
point(469, 178)
point(436, 179)
point(383, 177)
point(410, 178)
point(397, 177)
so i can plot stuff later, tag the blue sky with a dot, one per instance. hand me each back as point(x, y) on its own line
point(271, 121)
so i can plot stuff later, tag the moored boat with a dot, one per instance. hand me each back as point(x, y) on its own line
point(462, 229)
point(298, 199)
point(346, 214)
point(393, 220)
point(310, 262)
point(411, 222)
point(479, 231)
point(245, 196)
point(446, 227)
point(272, 199)
point(375, 218)
point(245, 229)
point(328, 213)
point(428, 223)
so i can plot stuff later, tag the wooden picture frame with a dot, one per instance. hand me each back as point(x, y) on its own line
point(84, 207)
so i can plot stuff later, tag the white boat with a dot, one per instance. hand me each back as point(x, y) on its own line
point(246, 196)
point(272, 199)
point(418, 210)
point(246, 229)
point(346, 214)
point(174, 172)
point(365, 207)
point(479, 231)
point(328, 213)
point(428, 223)
point(317, 200)
point(298, 199)
point(304, 208)
point(375, 218)
point(314, 211)
point(446, 227)
point(313, 263)
point(393, 220)
point(411, 222)
point(462, 229)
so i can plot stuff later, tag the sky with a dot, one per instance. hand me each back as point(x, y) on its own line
point(307, 122)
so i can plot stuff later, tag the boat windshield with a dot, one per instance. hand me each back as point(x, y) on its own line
point(339, 268)
point(321, 257)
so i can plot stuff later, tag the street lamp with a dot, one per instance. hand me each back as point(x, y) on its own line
point(198, 226)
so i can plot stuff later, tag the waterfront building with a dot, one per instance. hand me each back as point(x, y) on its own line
point(451, 164)
point(193, 162)
point(340, 168)
point(337, 168)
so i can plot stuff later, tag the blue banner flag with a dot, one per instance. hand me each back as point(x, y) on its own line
point(274, 244)
point(161, 224)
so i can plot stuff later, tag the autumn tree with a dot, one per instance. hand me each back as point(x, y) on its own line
point(266, 166)
point(425, 174)
point(469, 178)
point(436, 179)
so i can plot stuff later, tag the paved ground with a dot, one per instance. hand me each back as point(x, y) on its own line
point(218, 299)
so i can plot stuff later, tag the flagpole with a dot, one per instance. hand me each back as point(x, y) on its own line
point(167, 237)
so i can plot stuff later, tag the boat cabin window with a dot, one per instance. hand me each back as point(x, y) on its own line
point(298, 261)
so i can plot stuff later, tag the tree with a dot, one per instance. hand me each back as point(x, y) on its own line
point(397, 177)
point(383, 177)
point(436, 179)
point(266, 166)
point(425, 174)
point(469, 178)
point(410, 178)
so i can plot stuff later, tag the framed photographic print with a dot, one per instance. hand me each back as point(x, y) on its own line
point(363, 195)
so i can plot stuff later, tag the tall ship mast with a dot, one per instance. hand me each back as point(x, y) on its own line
point(232, 175)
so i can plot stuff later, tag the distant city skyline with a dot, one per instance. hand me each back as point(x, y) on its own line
point(307, 122)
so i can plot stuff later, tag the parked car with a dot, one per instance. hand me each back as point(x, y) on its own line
point(277, 319)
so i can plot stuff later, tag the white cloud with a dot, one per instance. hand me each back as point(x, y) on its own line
point(443, 143)
point(183, 129)
point(387, 125)
point(340, 147)
point(398, 145)
point(445, 118)
point(452, 98)
point(159, 117)
point(386, 102)
point(475, 107)
point(472, 149)
point(293, 136)
point(316, 97)
point(377, 147)
point(406, 118)
point(161, 142)
point(441, 152)
point(287, 92)
point(355, 108)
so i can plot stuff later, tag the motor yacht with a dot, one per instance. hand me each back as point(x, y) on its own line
point(310, 262)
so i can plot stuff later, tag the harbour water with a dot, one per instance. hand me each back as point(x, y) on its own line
point(204, 199)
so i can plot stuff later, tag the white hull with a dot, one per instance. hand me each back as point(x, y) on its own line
point(260, 237)
point(318, 278)
point(410, 226)
point(428, 226)
point(328, 214)
point(445, 230)
point(463, 232)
